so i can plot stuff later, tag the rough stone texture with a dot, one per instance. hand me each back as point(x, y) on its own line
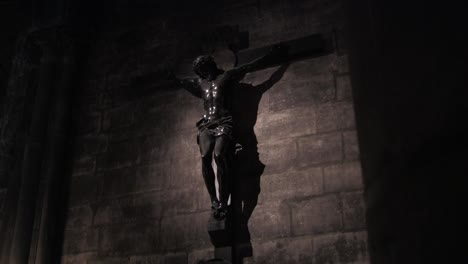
point(342, 177)
point(351, 148)
point(270, 221)
point(289, 123)
point(84, 240)
point(335, 116)
point(201, 254)
point(353, 211)
point(278, 156)
point(343, 87)
point(184, 231)
point(3, 193)
point(316, 216)
point(319, 149)
point(292, 184)
point(294, 251)
point(113, 239)
point(136, 194)
point(341, 248)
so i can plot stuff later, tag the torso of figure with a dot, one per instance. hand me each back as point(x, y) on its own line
point(216, 97)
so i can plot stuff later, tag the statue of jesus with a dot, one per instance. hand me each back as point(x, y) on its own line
point(215, 129)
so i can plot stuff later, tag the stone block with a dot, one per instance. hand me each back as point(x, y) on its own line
point(278, 156)
point(342, 64)
point(87, 103)
point(84, 165)
point(343, 87)
point(169, 175)
point(302, 92)
point(129, 209)
point(183, 145)
point(354, 211)
point(185, 172)
point(119, 154)
point(129, 239)
point(118, 117)
point(186, 117)
point(341, 248)
point(90, 145)
point(108, 260)
point(295, 122)
point(147, 259)
point(202, 196)
point(91, 85)
point(88, 123)
point(164, 112)
point(266, 27)
point(80, 240)
point(82, 190)
point(170, 147)
point(351, 147)
point(78, 258)
point(117, 182)
point(288, 251)
point(130, 132)
point(319, 149)
point(152, 177)
point(270, 221)
point(176, 258)
point(182, 201)
point(343, 177)
point(160, 118)
point(185, 231)
point(335, 116)
point(3, 193)
point(291, 184)
point(79, 217)
point(316, 216)
point(311, 67)
point(195, 256)
point(149, 205)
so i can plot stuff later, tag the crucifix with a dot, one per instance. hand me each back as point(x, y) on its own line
point(214, 86)
point(216, 140)
point(215, 129)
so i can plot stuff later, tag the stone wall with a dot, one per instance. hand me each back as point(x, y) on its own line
point(136, 192)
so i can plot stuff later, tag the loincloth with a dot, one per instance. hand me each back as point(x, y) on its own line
point(216, 127)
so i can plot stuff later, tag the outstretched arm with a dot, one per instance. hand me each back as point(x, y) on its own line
point(275, 52)
point(191, 85)
point(274, 78)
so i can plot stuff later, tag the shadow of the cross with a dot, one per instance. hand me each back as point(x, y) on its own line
point(247, 167)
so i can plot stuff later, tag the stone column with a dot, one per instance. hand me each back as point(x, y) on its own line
point(34, 149)
point(13, 123)
point(55, 158)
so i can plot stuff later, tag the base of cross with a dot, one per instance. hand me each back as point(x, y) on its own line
point(220, 232)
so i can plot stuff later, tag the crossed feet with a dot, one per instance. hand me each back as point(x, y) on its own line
point(219, 210)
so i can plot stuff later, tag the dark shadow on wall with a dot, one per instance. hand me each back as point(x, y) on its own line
point(247, 167)
point(409, 73)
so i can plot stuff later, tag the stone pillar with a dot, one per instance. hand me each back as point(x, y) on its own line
point(55, 158)
point(33, 151)
point(16, 110)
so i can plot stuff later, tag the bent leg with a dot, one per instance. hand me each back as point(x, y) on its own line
point(206, 142)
